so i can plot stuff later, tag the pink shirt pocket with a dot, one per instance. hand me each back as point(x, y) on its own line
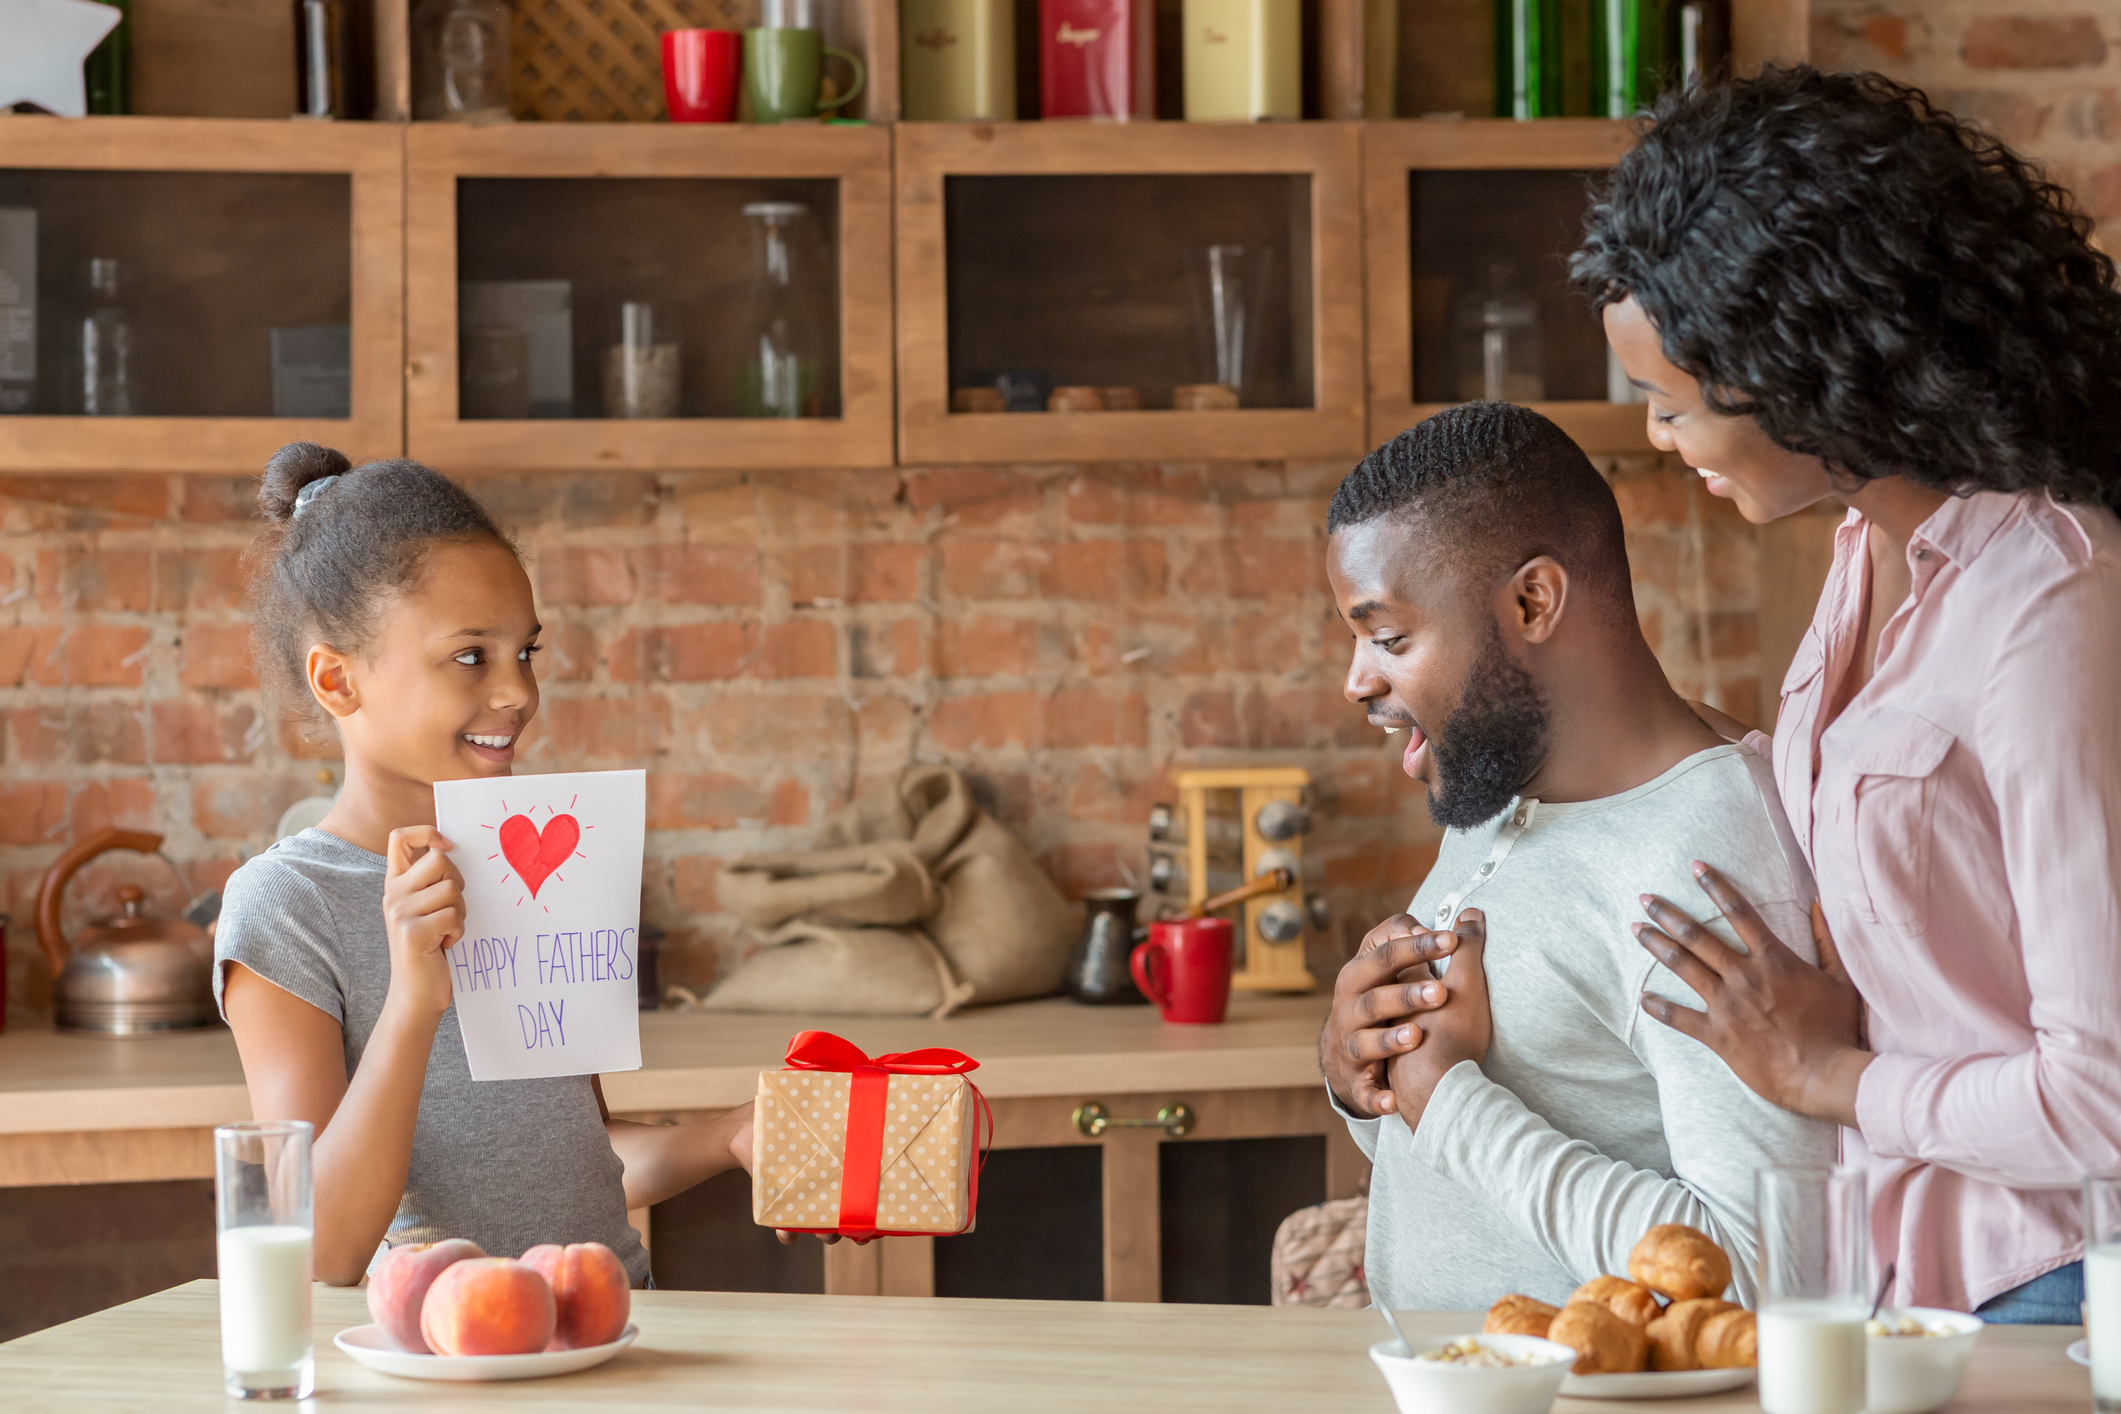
point(1895, 761)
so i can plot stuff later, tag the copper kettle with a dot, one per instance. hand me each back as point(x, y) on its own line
point(129, 975)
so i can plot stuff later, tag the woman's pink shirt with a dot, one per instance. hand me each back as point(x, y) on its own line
point(1963, 816)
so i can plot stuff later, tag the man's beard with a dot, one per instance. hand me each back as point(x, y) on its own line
point(1491, 742)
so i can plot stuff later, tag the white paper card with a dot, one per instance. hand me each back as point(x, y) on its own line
point(545, 973)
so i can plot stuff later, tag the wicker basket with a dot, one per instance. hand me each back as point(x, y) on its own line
point(600, 61)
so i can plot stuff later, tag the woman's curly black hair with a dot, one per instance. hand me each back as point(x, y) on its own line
point(1880, 284)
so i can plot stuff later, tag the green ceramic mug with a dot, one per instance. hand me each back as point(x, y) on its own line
point(784, 70)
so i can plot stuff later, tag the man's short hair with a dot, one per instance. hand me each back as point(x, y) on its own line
point(1493, 485)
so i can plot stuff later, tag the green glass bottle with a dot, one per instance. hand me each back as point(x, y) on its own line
point(1627, 56)
point(107, 73)
point(1528, 58)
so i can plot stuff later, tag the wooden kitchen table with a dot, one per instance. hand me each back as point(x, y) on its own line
point(79, 1109)
point(831, 1354)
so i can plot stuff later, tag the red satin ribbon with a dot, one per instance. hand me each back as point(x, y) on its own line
point(861, 1169)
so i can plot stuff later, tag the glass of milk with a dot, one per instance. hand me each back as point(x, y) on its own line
point(1814, 1266)
point(264, 1219)
point(2102, 1289)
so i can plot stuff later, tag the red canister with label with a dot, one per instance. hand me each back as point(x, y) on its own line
point(1097, 58)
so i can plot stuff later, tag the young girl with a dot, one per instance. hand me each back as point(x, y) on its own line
point(391, 611)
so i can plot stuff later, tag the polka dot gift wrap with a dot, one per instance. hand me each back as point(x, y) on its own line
point(849, 1144)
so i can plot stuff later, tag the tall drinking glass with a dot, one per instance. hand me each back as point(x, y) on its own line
point(2102, 1289)
point(1814, 1265)
point(262, 1209)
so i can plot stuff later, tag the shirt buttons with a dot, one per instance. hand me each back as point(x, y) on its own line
point(1922, 553)
point(1518, 818)
point(1487, 869)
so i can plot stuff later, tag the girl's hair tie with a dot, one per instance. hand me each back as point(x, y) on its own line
point(310, 492)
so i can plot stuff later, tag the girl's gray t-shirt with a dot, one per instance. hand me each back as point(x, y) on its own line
point(506, 1163)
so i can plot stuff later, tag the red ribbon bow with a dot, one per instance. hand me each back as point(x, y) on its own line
point(862, 1167)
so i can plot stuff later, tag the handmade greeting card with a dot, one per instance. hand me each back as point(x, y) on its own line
point(546, 972)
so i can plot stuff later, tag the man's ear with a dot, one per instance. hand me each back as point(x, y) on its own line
point(1538, 595)
point(331, 680)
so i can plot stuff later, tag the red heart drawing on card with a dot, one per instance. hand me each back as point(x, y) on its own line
point(535, 853)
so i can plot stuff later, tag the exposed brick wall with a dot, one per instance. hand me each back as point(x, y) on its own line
point(769, 645)
point(2043, 74)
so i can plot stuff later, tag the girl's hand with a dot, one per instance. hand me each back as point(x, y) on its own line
point(1791, 1031)
point(423, 914)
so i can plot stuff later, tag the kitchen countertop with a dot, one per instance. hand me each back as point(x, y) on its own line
point(54, 1083)
point(795, 1354)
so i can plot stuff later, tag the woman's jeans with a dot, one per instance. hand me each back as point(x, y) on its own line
point(2053, 1298)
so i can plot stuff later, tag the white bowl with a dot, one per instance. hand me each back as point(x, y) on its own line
point(1435, 1387)
point(1909, 1374)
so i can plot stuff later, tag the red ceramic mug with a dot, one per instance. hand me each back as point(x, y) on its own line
point(1185, 968)
point(703, 72)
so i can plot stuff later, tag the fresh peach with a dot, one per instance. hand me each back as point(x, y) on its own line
point(488, 1306)
point(589, 1284)
point(398, 1287)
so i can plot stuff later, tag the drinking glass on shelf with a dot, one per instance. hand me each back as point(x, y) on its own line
point(641, 371)
point(264, 1221)
point(784, 363)
point(1232, 286)
point(1499, 352)
point(2102, 1289)
point(1814, 1264)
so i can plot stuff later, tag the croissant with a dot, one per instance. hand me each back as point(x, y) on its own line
point(1673, 1334)
point(1520, 1315)
point(1604, 1343)
point(1676, 1261)
point(1728, 1340)
point(1634, 1303)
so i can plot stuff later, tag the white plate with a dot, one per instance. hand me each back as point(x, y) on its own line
point(2081, 1352)
point(1655, 1384)
point(368, 1345)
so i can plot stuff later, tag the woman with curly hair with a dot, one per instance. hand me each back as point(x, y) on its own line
point(1828, 287)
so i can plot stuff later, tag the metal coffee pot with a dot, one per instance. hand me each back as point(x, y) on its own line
point(1097, 968)
point(133, 974)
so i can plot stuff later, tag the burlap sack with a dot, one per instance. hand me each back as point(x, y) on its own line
point(883, 884)
point(994, 926)
point(816, 967)
point(1004, 925)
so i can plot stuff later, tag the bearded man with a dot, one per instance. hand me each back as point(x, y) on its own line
point(1526, 1121)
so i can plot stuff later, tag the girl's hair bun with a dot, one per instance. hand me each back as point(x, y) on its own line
point(291, 468)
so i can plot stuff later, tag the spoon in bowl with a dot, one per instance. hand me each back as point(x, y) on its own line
point(1393, 1321)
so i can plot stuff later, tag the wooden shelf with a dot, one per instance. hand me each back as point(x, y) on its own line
point(370, 157)
point(1326, 155)
point(1392, 154)
point(857, 160)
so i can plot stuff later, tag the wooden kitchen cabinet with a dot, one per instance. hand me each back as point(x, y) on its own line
point(656, 213)
point(1073, 251)
point(86, 1111)
point(1443, 199)
point(226, 229)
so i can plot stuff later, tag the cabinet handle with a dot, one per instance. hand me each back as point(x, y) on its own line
point(1094, 1119)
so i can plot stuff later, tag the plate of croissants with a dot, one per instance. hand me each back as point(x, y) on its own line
point(1662, 1331)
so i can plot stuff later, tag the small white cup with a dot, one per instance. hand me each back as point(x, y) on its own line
point(1911, 1374)
point(1441, 1387)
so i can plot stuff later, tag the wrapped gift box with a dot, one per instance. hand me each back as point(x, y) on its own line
point(859, 1146)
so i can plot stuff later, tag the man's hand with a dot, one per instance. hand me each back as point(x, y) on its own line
point(1385, 983)
point(1460, 1030)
